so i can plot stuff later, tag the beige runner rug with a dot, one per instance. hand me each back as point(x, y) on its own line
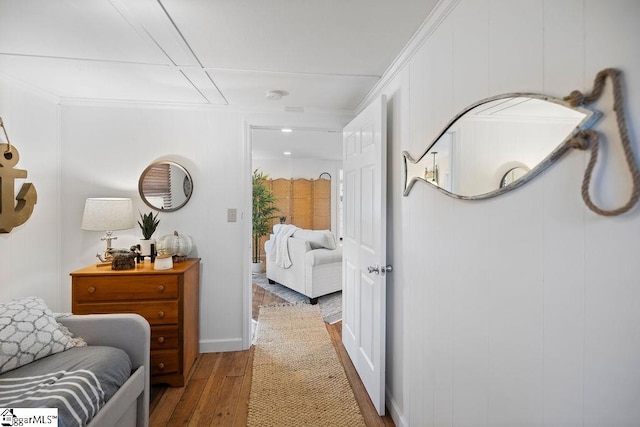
point(297, 377)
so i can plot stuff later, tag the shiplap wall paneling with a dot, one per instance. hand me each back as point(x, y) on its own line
point(564, 47)
point(515, 321)
point(470, 234)
point(31, 122)
point(438, 75)
point(563, 217)
point(472, 306)
point(515, 46)
point(541, 294)
point(515, 224)
point(444, 288)
point(612, 339)
point(420, 397)
point(470, 51)
point(607, 44)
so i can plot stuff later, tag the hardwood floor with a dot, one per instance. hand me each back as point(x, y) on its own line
point(263, 297)
point(217, 392)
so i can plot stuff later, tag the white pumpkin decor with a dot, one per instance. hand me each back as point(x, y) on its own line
point(176, 244)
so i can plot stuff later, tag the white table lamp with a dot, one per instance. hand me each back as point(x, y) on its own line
point(108, 214)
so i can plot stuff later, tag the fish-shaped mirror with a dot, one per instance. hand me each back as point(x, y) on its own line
point(497, 144)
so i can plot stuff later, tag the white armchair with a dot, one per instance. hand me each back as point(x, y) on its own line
point(316, 264)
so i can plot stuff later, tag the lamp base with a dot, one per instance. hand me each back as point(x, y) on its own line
point(108, 237)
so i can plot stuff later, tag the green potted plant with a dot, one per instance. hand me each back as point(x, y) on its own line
point(263, 213)
point(148, 224)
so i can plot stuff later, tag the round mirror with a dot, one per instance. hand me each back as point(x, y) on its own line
point(165, 186)
point(513, 175)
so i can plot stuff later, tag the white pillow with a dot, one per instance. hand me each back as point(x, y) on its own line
point(28, 332)
point(317, 238)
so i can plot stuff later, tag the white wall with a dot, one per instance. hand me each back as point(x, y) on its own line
point(30, 254)
point(523, 309)
point(104, 151)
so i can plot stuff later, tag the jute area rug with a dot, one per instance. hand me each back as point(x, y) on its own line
point(297, 377)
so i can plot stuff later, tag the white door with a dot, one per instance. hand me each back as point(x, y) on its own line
point(364, 247)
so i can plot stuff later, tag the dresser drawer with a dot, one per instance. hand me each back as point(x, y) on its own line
point(164, 361)
point(156, 312)
point(164, 337)
point(117, 288)
point(167, 299)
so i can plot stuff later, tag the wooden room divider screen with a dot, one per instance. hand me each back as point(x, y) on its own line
point(306, 203)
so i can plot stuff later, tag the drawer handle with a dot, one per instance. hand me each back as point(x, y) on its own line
point(161, 288)
point(161, 366)
point(160, 340)
point(91, 289)
point(161, 314)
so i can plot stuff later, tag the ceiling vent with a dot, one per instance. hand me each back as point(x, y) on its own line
point(294, 109)
point(276, 95)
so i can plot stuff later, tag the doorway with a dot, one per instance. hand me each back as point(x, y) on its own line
point(306, 155)
point(300, 154)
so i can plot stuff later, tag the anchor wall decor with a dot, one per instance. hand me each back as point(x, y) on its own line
point(13, 214)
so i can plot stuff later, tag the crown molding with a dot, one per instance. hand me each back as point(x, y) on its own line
point(284, 116)
point(433, 21)
point(35, 90)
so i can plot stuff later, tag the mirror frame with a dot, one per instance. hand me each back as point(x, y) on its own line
point(170, 163)
point(591, 117)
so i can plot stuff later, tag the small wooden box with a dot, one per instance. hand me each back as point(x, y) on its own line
point(123, 262)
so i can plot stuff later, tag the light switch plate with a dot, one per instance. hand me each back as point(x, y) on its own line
point(232, 215)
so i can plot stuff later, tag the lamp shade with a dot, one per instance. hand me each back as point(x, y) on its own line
point(107, 214)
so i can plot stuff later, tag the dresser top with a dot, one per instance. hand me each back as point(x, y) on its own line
point(143, 268)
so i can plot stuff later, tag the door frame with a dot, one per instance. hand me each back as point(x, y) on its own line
point(335, 123)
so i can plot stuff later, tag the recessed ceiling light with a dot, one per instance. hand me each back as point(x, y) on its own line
point(287, 153)
point(276, 95)
point(286, 130)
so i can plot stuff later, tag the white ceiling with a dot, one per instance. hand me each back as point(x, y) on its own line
point(328, 54)
point(300, 143)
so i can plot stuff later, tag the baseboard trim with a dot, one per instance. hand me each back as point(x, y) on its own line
point(214, 346)
point(395, 411)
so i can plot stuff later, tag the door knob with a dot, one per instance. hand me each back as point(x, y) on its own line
point(380, 270)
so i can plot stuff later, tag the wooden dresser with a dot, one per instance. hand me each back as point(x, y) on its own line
point(168, 299)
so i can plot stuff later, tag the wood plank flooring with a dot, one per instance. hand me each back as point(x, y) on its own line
point(217, 392)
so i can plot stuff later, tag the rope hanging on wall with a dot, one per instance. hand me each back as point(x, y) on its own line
point(5, 136)
point(591, 139)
